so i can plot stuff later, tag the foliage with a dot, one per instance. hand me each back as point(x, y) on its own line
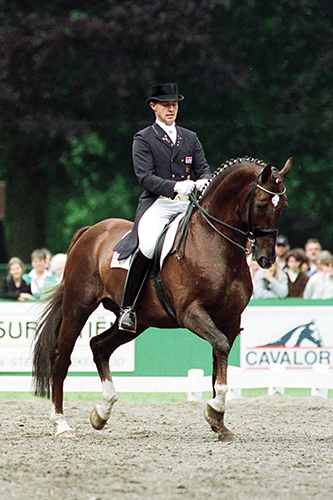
point(74, 75)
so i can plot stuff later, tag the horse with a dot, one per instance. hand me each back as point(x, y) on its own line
point(209, 286)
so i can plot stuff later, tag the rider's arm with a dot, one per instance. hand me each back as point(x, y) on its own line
point(201, 168)
point(143, 163)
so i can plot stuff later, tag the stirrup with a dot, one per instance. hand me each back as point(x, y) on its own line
point(127, 321)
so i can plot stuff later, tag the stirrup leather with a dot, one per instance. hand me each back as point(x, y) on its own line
point(127, 321)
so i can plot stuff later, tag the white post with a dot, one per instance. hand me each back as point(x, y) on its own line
point(195, 382)
point(234, 382)
point(275, 372)
point(319, 380)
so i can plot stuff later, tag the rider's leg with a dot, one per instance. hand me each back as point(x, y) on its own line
point(150, 227)
point(135, 279)
point(153, 221)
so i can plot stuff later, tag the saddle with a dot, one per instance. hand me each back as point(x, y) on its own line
point(181, 221)
point(178, 224)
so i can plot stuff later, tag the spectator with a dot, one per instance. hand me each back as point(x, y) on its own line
point(282, 247)
point(320, 284)
point(297, 279)
point(39, 273)
point(270, 283)
point(48, 257)
point(312, 249)
point(57, 266)
point(14, 287)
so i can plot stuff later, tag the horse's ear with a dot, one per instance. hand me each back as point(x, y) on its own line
point(286, 169)
point(266, 174)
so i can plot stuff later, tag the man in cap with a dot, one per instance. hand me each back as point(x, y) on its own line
point(282, 247)
point(312, 249)
point(166, 159)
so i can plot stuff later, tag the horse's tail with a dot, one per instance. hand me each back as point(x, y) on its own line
point(46, 342)
point(47, 334)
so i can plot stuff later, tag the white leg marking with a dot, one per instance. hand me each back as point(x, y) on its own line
point(109, 398)
point(218, 403)
point(58, 419)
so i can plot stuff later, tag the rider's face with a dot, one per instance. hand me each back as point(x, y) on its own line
point(166, 112)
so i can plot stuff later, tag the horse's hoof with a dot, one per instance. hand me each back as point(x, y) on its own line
point(66, 434)
point(214, 418)
point(96, 421)
point(216, 421)
point(227, 436)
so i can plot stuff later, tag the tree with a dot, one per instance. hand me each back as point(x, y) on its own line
point(73, 76)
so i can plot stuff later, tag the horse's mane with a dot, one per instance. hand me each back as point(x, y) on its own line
point(228, 167)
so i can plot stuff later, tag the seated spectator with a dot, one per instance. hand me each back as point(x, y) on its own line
point(305, 264)
point(39, 273)
point(14, 287)
point(281, 249)
point(320, 284)
point(297, 279)
point(48, 257)
point(57, 266)
point(270, 283)
point(311, 250)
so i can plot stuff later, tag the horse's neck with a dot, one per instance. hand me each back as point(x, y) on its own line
point(222, 203)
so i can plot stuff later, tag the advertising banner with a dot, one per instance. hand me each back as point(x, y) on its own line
point(293, 337)
point(18, 324)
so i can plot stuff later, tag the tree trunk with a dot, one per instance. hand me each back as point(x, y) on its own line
point(26, 198)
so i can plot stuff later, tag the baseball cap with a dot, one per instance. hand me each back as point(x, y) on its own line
point(282, 240)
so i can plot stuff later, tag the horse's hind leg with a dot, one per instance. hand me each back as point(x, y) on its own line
point(102, 347)
point(68, 334)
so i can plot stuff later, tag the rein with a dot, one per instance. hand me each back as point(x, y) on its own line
point(252, 232)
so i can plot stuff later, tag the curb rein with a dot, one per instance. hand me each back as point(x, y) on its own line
point(251, 234)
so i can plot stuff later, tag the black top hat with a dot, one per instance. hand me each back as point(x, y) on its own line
point(165, 92)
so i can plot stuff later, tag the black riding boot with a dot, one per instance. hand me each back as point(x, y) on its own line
point(136, 276)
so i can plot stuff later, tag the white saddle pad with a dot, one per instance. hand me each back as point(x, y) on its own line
point(167, 245)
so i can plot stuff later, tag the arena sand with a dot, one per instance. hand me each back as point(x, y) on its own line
point(167, 451)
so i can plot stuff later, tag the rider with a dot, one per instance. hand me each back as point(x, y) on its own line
point(164, 157)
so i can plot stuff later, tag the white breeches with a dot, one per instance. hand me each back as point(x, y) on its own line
point(153, 221)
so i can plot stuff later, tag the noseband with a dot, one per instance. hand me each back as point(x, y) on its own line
point(252, 232)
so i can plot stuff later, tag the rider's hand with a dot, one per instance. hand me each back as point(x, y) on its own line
point(201, 184)
point(184, 187)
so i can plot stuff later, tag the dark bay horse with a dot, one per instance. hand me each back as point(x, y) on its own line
point(208, 288)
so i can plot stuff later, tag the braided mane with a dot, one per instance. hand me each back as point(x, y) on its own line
point(224, 169)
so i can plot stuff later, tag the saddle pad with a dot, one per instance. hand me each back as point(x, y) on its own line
point(167, 245)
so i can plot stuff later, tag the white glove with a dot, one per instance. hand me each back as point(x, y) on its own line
point(184, 187)
point(201, 183)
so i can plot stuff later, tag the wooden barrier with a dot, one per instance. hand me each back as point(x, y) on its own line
point(177, 361)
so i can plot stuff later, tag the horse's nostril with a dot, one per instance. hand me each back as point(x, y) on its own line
point(263, 262)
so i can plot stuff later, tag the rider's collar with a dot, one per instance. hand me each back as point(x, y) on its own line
point(166, 128)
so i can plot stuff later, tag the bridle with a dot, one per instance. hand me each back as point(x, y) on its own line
point(252, 232)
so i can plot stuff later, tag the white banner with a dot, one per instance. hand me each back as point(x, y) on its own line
point(17, 330)
point(294, 337)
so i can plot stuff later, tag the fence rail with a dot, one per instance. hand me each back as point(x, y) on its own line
point(277, 378)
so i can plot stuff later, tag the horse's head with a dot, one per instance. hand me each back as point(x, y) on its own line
point(250, 196)
point(266, 203)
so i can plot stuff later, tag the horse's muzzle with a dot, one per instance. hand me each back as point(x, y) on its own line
point(265, 262)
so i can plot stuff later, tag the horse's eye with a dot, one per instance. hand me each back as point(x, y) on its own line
point(260, 208)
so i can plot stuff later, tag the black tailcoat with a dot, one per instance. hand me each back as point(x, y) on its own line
point(158, 165)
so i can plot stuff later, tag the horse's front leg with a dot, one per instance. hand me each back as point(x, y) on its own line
point(199, 322)
point(215, 410)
